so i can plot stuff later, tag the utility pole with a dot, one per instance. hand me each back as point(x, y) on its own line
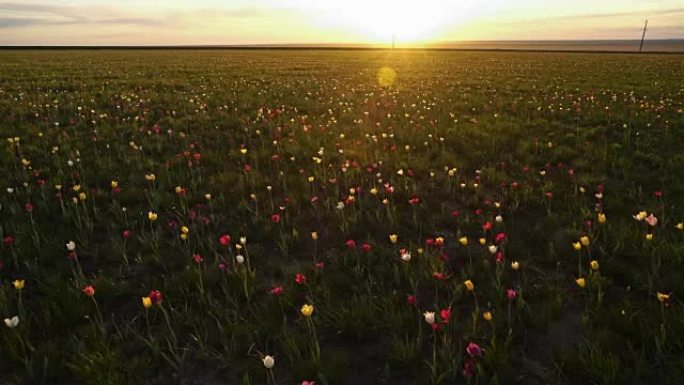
point(643, 35)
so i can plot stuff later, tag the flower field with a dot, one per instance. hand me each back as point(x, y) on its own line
point(341, 217)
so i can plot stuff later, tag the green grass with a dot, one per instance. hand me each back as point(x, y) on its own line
point(532, 137)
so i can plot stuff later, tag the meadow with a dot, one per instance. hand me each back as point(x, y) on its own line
point(341, 217)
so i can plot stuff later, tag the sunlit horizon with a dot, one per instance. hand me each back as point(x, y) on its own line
point(262, 22)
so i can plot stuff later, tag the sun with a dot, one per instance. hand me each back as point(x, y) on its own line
point(382, 20)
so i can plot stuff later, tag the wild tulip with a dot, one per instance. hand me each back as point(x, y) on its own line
point(594, 265)
point(307, 310)
point(680, 226)
point(300, 279)
point(146, 302)
point(515, 265)
point(474, 350)
point(463, 241)
point(351, 244)
point(429, 317)
point(156, 297)
point(446, 315)
point(577, 246)
point(89, 291)
point(224, 240)
point(662, 297)
point(275, 218)
point(585, 241)
point(511, 294)
point(580, 282)
point(277, 290)
point(469, 368)
point(651, 220)
point(411, 300)
point(487, 316)
point(602, 218)
point(393, 238)
point(469, 285)
point(268, 361)
point(12, 322)
point(18, 284)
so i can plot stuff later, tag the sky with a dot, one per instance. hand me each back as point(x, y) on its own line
point(218, 22)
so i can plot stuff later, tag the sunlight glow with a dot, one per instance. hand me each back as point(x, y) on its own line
point(409, 21)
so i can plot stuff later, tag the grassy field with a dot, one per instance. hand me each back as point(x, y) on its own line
point(343, 217)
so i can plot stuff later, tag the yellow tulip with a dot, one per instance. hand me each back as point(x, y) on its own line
point(515, 265)
point(487, 316)
point(680, 226)
point(82, 196)
point(577, 246)
point(374, 191)
point(580, 282)
point(393, 238)
point(314, 235)
point(147, 302)
point(482, 241)
point(185, 230)
point(602, 218)
point(469, 285)
point(649, 237)
point(662, 297)
point(463, 240)
point(594, 265)
point(115, 184)
point(585, 240)
point(19, 284)
point(152, 216)
point(307, 310)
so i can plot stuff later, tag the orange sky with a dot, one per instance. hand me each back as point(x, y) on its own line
point(162, 22)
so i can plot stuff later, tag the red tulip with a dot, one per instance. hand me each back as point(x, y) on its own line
point(224, 240)
point(446, 315)
point(474, 350)
point(126, 234)
point(350, 244)
point(411, 300)
point(156, 297)
point(277, 290)
point(89, 290)
point(275, 218)
point(300, 279)
point(366, 248)
point(511, 294)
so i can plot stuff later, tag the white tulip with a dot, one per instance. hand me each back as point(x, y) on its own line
point(12, 322)
point(71, 246)
point(406, 256)
point(268, 361)
point(429, 317)
point(240, 259)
